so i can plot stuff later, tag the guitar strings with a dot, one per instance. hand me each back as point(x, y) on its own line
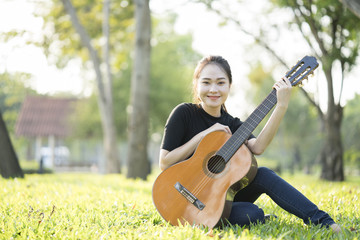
point(218, 164)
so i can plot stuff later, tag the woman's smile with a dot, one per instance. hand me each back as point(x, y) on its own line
point(214, 97)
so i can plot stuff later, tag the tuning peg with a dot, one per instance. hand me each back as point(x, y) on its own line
point(306, 79)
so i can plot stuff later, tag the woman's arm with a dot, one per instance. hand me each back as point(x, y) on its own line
point(168, 158)
point(283, 92)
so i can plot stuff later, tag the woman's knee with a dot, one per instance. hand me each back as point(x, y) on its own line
point(265, 173)
point(265, 170)
point(245, 213)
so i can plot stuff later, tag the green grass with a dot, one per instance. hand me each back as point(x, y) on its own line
point(89, 206)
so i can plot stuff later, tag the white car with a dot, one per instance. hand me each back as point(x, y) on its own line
point(61, 154)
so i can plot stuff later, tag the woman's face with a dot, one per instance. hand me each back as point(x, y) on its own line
point(213, 87)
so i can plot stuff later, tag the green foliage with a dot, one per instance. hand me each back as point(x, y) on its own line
point(60, 41)
point(331, 25)
point(301, 131)
point(261, 81)
point(86, 119)
point(14, 88)
point(351, 133)
point(89, 206)
point(172, 64)
point(351, 126)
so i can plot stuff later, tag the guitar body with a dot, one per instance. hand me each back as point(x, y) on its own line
point(192, 191)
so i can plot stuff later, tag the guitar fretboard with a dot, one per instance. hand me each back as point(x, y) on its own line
point(245, 130)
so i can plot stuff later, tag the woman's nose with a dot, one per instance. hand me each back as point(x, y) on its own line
point(213, 88)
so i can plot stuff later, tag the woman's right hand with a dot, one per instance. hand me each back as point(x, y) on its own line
point(181, 153)
point(216, 127)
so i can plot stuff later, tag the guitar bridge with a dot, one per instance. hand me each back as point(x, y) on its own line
point(189, 196)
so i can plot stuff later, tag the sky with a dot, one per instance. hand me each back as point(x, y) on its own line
point(16, 56)
point(209, 38)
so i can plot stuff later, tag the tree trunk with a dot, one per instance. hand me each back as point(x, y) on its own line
point(138, 162)
point(331, 156)
point(332, 152)
point(105, 101)
point(9, 163)
point(353, 6)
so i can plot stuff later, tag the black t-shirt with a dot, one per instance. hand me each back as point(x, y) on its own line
point(187, 120)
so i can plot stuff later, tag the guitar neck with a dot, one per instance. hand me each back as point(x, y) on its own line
point(245, 130)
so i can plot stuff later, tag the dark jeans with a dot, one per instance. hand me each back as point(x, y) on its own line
point(266, 181)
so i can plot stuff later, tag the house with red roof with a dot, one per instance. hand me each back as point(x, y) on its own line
point(43, 117)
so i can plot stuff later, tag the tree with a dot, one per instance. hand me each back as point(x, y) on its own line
point(352, 5)
point(342, 50)
point(172, 58)
point(9, 164)
point(138, 162)
point(104, 88)
point(332, 34)
point(77, 32)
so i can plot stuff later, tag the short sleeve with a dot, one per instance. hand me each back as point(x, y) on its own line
point(174, 131)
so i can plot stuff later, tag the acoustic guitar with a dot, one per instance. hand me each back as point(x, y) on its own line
point(200, 190)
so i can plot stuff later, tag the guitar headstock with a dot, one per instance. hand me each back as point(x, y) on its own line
point(302, 70)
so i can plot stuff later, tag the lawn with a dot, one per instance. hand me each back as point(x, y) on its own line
point(91, 206)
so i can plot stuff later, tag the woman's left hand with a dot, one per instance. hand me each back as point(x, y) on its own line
point(283, 92)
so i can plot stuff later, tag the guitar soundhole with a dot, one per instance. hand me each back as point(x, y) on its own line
point(216, 164)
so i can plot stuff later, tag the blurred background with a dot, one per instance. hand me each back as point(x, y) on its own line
point(87, 86)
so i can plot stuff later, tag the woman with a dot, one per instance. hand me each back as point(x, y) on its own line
point(189, 123)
